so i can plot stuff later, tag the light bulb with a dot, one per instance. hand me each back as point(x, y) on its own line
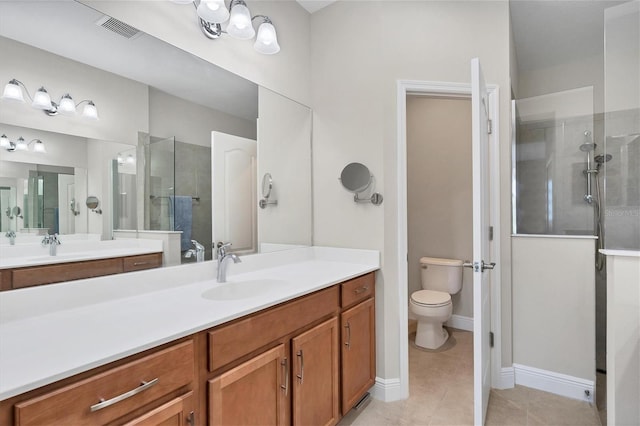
point(119, 159)
point(39, 147)
point(13, 91)
point(42, 100)
point(4, 142)
point(267, 41)
point(90, 111)
point(213, 11)
point(67, 106)
point(130, 159)
point(240, 22)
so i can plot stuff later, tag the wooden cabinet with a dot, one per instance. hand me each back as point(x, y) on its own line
point(315, 376)
point(253, 393)
point(358, 352)
point(110, 395)
point(177, 412)
point(48, 274)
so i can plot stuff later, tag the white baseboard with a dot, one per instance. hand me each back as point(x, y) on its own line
point(505, 379)
point(460, 322)
point(549, 381)
point(386, 390)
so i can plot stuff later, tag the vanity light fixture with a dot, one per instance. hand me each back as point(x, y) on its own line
point(42, 100)
point(21, 144)
point(213, 13)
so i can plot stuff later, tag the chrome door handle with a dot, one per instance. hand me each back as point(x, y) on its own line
point(490, 265)
point(479, 266)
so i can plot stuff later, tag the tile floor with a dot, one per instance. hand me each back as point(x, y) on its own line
point(441, 393)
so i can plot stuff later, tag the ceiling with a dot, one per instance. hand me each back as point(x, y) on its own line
point(551, 32)
point(314, 5)
point(143, 58)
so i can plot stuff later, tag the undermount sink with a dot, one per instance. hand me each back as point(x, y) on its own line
point(236, 290)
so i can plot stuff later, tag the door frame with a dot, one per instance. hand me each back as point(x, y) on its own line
point(445, 90)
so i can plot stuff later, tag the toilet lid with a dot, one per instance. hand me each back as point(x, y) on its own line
point(431, 297)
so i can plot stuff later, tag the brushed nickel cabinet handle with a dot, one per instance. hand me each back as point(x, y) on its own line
point(104, 404)
point(285, 366)
point(361, 289)
point(140, 263)
point(301, 357)
point(348, 342)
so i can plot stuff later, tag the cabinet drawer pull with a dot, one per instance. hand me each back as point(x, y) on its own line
point(361, 290)
point(140, 263)
point(104, 404)
point(348, 342)
point(301, 375)
point(285, 366)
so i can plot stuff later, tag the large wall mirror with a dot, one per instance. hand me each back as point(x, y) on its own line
point(180, 143)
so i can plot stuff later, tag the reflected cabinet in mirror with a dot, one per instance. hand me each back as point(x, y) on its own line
point(177, 152)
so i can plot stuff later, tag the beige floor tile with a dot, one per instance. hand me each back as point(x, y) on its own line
point(502, 411)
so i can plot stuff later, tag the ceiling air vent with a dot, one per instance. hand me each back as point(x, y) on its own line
point(118, 27)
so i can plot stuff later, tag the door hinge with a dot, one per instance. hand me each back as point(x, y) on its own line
point(491, 233)
point(491, 338)
point(489, 126)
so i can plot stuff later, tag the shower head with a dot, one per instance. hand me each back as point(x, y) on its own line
point(588, 144)
point(600, 159)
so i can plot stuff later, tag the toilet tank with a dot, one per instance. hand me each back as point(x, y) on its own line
point(441, 274)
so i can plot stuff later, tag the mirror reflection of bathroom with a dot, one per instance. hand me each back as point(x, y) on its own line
point(439, 206)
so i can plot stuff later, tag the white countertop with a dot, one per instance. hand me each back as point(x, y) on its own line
point(25, 255)
point(52, 332)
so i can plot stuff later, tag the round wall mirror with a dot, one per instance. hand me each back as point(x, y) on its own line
point(355, 177)
point(267, 185)
point(92, 202)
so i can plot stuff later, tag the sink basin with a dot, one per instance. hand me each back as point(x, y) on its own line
point(241, 289)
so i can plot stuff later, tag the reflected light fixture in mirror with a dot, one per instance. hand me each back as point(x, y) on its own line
point(42, 100)
point(21, 144)
point(213, 13)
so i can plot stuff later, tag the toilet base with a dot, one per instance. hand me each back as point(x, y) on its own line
point(431, 335)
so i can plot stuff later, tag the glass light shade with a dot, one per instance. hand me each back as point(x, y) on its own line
point(4, 142)
point(213, 11)
point(130, 159)
point(90, 111)
point(119, 159)
point(240, 23)
point(182, 1)
point(42, 100)
point(267, 41)
point(13, 92)
point(39, 146)
point(21, 145)
point(67, 106)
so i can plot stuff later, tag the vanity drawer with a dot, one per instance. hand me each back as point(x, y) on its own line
point(5, 279)
point(163, 372)
point(145, 261)
point(36, 275)
point(357, 289)
point(230, 342)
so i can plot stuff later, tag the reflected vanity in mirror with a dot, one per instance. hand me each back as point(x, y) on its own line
point(357, 178)
point(149, 156)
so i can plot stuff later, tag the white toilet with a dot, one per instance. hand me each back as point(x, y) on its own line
point(432, 306)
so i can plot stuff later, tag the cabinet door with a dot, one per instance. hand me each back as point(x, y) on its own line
point(358, 353)
point(315, 375)
point(177, 412)
point(253, 393)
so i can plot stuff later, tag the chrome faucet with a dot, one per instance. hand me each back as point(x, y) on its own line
point(223, 258)
point(53, 242)
point(11, 235)
point(198, 251)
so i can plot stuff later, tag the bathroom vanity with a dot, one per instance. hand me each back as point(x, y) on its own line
point(289, 340)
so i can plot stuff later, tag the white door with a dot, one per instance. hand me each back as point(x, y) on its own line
point(233, 161)
point(481, 262)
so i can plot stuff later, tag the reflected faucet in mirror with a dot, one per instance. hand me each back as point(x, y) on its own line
point(11, 235)
point(53, 241)
point(223, 260)
point(198, 251)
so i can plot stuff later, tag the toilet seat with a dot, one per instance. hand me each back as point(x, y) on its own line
point(430, 298)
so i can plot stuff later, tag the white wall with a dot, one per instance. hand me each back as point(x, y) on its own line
point(439, 188)
point(286, 73)
point(122, 103)
point(554, 305)
point(190, 122)
point(355, 66)
point(284, 150)
point(623, 338)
